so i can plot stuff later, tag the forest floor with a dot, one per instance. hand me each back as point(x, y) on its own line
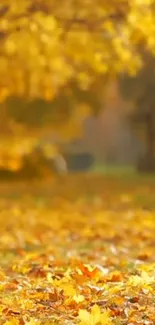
point(78, 250)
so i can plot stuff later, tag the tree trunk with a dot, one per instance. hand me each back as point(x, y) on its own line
point(150, 138)
point(147, 163)
point(5, 127)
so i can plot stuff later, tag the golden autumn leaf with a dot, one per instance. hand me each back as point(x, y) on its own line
point(143, 281)
point(94, 317)
point(13, 321)
point(78, 298)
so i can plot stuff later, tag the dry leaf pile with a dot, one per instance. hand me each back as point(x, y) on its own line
point(81, 261)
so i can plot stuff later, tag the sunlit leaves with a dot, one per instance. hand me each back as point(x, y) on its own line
point(68, 39)
point(142, 281)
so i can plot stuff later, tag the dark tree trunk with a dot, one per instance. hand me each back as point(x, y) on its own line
point(147, 162)
point(150, 137)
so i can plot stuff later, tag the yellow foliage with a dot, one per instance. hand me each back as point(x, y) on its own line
point(70, 41)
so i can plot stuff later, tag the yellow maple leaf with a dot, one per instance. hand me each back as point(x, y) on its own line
point(68, 289)
point(78, 298)
point(94, 317)
point(65, 285)
point(13, 321)
point(142, 281)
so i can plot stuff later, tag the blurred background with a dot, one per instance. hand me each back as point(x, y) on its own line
point(120, 136)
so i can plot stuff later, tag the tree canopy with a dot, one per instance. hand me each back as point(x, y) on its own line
point(45, 44)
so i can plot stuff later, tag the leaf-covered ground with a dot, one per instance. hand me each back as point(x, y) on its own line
point(81, 252)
